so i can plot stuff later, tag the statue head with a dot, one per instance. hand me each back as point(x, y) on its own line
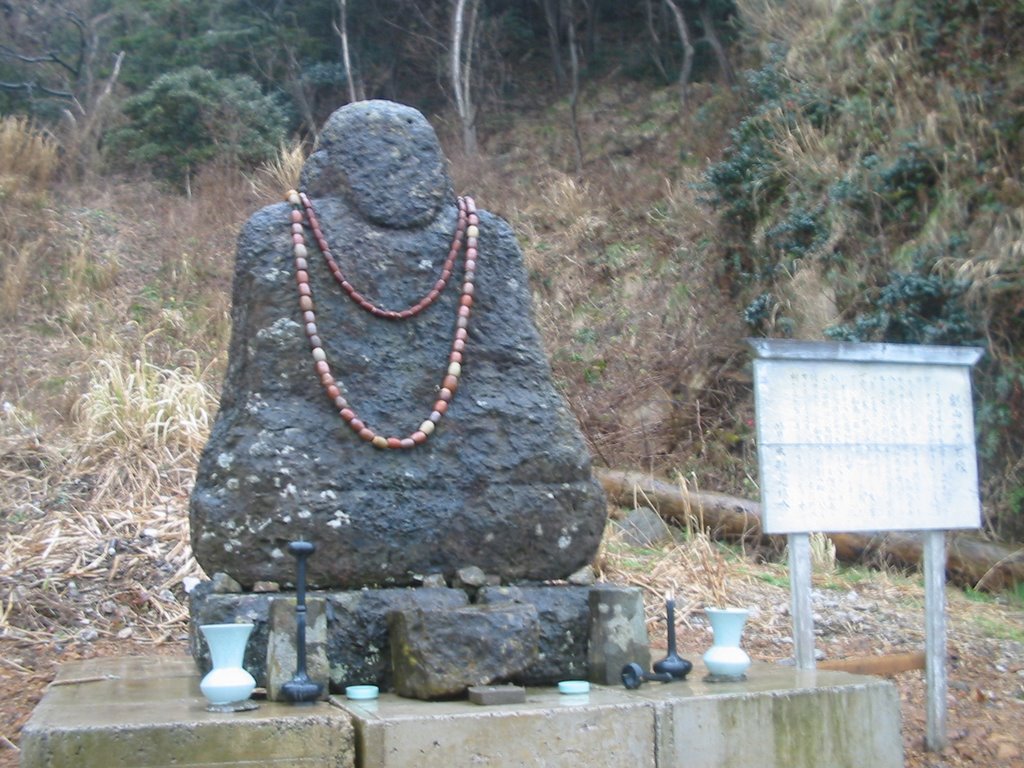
point(385, 160)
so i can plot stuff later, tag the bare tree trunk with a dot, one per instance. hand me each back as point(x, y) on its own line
point(462, 71)
point(574, 96)
point(341, 30)
point(656, 39)
point(711, 35)
point(551, 14)
point(684, 36)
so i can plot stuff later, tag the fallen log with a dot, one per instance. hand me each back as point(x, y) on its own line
point(887, 664)
point(971, 560)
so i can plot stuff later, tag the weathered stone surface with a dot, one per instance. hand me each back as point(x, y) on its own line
point(358, 645)
point(282, 651)
point(618, 632)
point(439, 654)
point(503, 483)
point(358, 650)
point(564, 629)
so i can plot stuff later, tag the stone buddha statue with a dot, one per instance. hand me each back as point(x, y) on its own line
point(485, 466)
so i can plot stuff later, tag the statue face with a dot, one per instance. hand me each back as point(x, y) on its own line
point(385, 159)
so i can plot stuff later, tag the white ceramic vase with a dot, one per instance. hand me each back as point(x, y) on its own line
point(228, 683)
point(725, 660)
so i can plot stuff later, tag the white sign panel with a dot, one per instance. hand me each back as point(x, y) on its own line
point(865, 437)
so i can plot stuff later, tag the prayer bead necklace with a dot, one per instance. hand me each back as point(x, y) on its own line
point(467, 228)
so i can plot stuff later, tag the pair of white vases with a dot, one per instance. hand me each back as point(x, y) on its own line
point(725, 660)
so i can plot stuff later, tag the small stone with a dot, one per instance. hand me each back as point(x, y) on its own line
point(266, 586)
point(434, 581)
point(470, 576)
point(584, 577)
point(489, 695)
point(222, 584)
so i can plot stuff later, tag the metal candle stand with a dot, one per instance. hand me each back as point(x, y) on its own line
point(300, 689)
point(672, 667)
point(673, 663)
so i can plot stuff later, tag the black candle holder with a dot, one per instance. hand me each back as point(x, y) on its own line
point(633, 676)
point(673, 664)
point(300, 689)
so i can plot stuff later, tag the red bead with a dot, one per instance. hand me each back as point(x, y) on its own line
point(407, 313)
point(441, 406)
point(368, 306)
point(418, 437)
point(445, 274)
point(301, 276)
point(394, 442)
point(333, 392)
point(466, 301)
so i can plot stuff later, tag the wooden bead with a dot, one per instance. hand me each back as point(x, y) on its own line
point(305, 303)
point(357, 424)
point(367, 434)
point(301, 277)
point(441, 406)
point(347, 414)
point(450, 383)
point(326, 380)
point(334, 393)
point(466, 301)
point(455, 357)
point(379, 441)
point(394, 442)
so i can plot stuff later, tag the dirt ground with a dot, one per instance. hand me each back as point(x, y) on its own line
point(985, 671)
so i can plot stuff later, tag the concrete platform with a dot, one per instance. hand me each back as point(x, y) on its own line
point(148, 713)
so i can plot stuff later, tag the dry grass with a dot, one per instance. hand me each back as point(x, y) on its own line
point(28, 156)
point(274, 178)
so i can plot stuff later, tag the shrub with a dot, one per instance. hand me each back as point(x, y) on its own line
point(191, 117)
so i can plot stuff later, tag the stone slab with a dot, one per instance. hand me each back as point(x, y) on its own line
point(778, 718)
point(604, 729)
point(148, 713)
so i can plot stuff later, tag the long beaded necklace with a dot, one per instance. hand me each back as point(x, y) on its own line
point(467, 228)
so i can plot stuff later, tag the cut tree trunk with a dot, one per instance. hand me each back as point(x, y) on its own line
point(971, 561)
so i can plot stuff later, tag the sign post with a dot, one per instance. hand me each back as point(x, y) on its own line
point(867, 437)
